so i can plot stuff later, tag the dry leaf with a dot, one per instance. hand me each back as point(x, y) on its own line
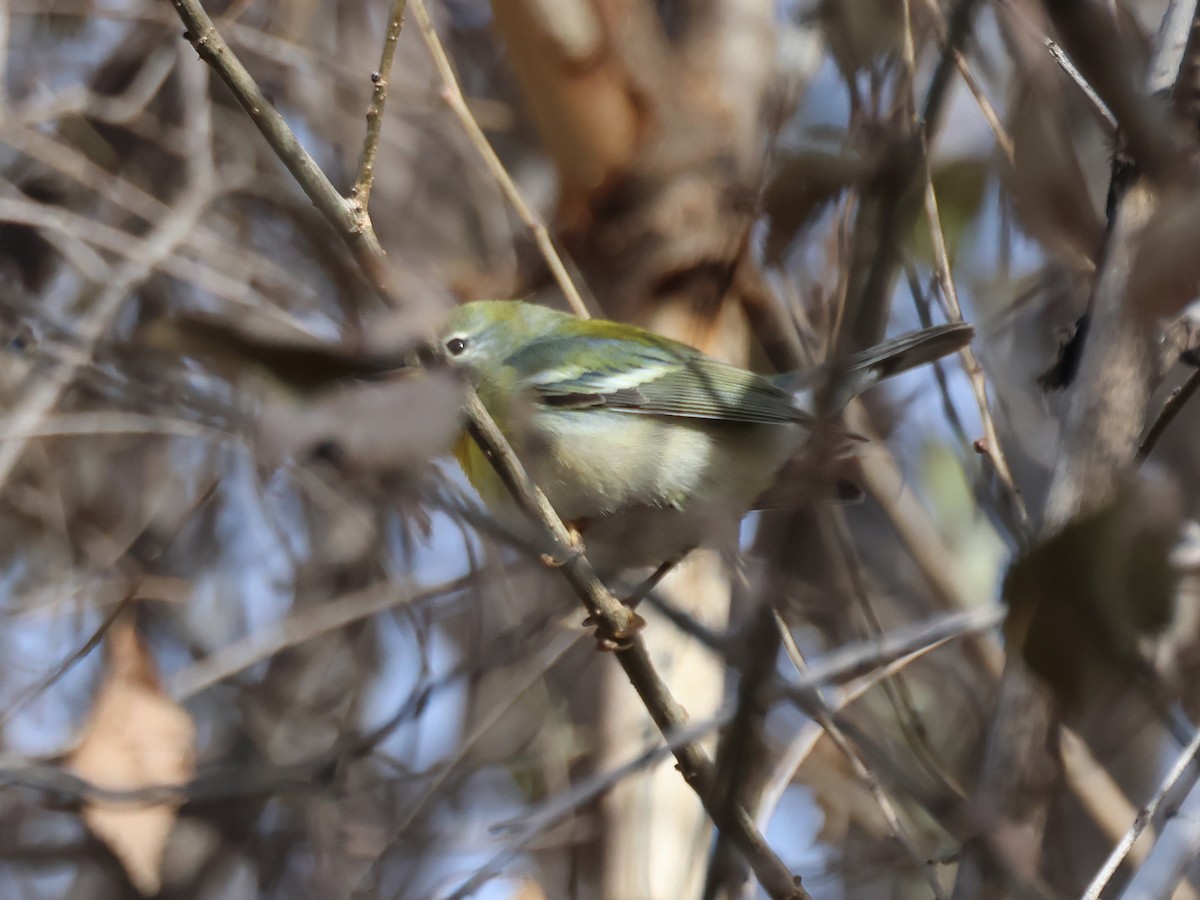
point(379, 426)
point(135, 737)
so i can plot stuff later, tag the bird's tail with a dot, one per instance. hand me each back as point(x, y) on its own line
point(835, 384)
point(910, 350)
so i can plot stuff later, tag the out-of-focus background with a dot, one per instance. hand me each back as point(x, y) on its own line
point(229, 562)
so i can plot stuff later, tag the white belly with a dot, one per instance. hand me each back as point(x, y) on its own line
point(649, 489)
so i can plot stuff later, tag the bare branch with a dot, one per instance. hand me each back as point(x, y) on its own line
point(1159, 874)
point(356, 231)
point(820, 711)
point(949, 293)
point(380, 78)
point(618, 625)
point(167, 234)
point(452, 94)
point(300, 627)
point(890, 208)
point(1171, 408)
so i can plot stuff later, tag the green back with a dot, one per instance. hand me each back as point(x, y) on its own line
point(639, 372)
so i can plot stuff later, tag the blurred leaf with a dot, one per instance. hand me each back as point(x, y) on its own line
point(1166, 268)
point(1080, 601)
point(365, 405)
point(860, 31)
point(386, 425)
point(135, 737)
point(277, 351)
point(1047, 182)
point(803, 184)
point(959, 185)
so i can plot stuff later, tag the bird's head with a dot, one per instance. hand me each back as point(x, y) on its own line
point(477, 337)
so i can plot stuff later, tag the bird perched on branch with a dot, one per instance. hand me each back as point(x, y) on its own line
point(644, 445)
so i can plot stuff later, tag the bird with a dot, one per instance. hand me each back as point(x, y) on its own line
point(646, 447)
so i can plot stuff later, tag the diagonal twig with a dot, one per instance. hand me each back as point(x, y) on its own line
point(819, 709)
point(945, 276)
point(355, 229)
point(453, 96)
point(1185, 759)
point(617, 624)
point(361, 192)
point(1171, 408)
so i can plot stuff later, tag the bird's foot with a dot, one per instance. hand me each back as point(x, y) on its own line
point(617, 639)
point(574, 546)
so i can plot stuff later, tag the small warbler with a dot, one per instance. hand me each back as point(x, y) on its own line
point(644, 445)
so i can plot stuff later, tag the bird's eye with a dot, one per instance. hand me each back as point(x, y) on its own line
point(456, 346)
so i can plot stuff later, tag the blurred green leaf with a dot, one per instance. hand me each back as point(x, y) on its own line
point(959, 185)
point(288, 360)
point(1080, 600)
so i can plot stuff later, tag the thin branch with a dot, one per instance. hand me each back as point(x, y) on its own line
point(1064, 62)
point(856, 660)
point(617, 625)
point(922, 306)
point(87, 424)
point(939, 84)
point(361, 192)
point(43, 684)
point(167, 234)
point(240, 263)
point(355, 229)
point(216, 785)
point(298, 628)
point(1186, 758)
point(531, 671)
point(1105, 801)
point(70, 791)
point(910, 721)
point(819, 709)
point(1003, 140)
point(534, 824)
point(453, 96)
point(893, 493)
point(1171, 408)
point(891, 209)
point(83, 233)
point(1092, 38)
point(971, 365)
point(802, 744)
point(949, 293)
